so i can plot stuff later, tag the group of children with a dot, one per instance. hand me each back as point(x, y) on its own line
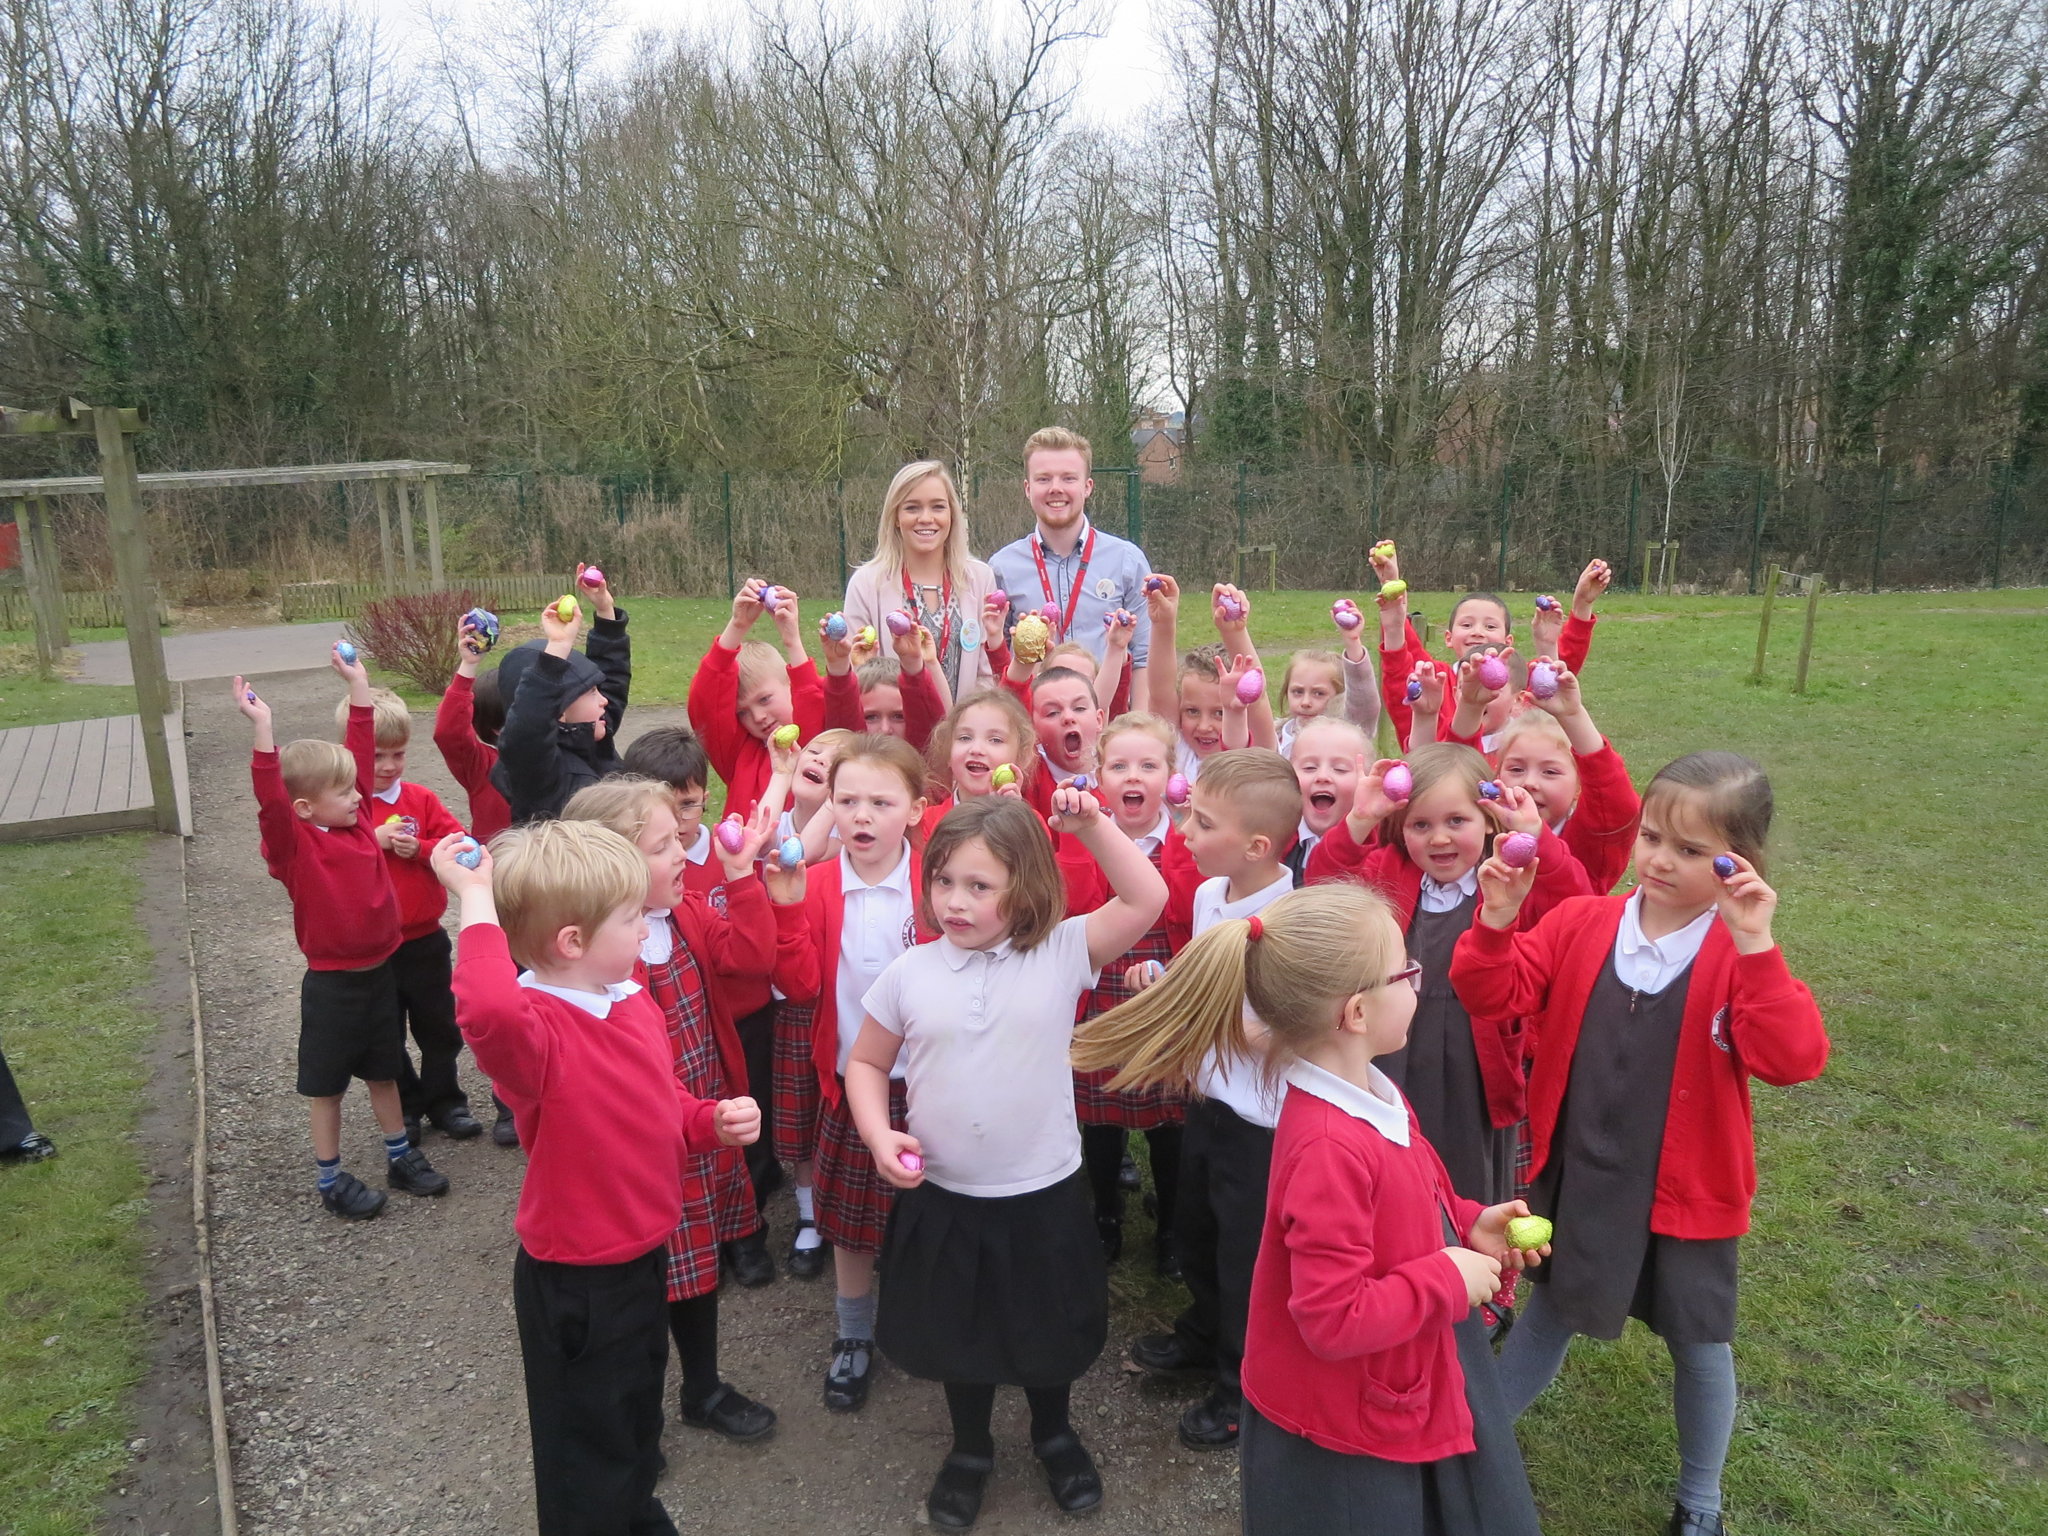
point(944, 954)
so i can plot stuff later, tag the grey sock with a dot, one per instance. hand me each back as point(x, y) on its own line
point(1703, 1400)
point(856, 1316)
point(1533, 1354)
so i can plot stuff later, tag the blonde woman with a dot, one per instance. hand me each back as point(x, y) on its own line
point(921, 565)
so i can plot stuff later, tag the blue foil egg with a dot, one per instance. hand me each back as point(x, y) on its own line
point(347, 652)
point(469, 856)
point(790, 853)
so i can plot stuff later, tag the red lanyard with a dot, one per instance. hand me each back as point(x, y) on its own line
point(946, 600)
point(1080, 577)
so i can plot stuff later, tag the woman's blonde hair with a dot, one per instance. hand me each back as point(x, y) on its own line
point(1318, 947)
point(1037, 897)
point(551, 875)
point(624, 802)
point(889, 538)
point(1433, 764)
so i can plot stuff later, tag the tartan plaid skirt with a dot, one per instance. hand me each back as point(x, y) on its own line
point(1094, 1103)
point(795, 1083)
point(852, 1200)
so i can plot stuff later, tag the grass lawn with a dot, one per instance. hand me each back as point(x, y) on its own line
point(26, 700)
point(72, 1334)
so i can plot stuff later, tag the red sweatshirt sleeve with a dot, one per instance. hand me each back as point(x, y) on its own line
point(806, 698)
point(1602, 829)
point(1394, 669)
point(714, 708)
point(1773, 1022)
point(1559, 876)
point(700, 1124)
point(469, 759)
point(740, 941)
point(1022, 691)
point(798, 964)
point(1576, 643)
point(923, 709)
point(1503, 975)
point(842, 703)
point(1342, 1308)
point(1120, 697)
point(1182, 880)
point(1338, 856)
point(275, 822)
point(361, 740)
point(496, 1014)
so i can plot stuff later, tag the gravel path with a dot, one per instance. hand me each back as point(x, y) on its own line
point(372, 1372)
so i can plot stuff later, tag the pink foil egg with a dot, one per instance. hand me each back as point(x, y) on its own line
point(1251, 687)
point(1178, 789)
point(1399, 783)
point(911, 1162)
point(592, 576)
point(1493, 673)
point(1517, 850)
point(732, 834)
point(899, 622)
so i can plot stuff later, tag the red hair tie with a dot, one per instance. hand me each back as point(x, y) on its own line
point(1258, 928)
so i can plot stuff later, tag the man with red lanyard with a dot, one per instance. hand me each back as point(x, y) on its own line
point(1067, 563)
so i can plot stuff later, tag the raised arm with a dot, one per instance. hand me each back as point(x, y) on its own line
point(1137, 892)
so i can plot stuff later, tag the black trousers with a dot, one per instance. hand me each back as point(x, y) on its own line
point(423, 968)
point(1221, 1214)
point(594, 1340)
point(14, 1121)
point(757, 1043)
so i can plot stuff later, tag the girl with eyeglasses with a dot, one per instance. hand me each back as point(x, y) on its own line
point(1370, 1398)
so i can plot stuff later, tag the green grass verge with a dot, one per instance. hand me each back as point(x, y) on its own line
point(72, 1331)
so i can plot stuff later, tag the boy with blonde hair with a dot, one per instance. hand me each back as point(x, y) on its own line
point(582, 1055)
point(745, 691)
point(318, 844)
point(407, 820)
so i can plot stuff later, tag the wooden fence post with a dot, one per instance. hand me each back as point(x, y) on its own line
point(383, 490)
point(128, 533)
point(1763, 627)
point(403, 491)
point(430, 499)
point(1813, 590)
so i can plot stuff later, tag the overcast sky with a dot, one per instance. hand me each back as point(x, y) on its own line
point(1122, 72)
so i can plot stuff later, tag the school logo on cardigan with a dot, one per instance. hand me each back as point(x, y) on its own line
point(910, 932)
point(1719, 1029)
point(717, 899)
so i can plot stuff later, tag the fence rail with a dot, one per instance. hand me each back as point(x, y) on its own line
point(82, 610)
point(345, 599)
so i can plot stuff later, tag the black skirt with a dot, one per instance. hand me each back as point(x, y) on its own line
point(999, 1292)
point(1294, 1487)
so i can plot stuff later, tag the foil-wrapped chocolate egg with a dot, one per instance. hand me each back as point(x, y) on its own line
point(1002, 777)
point(1493, 673)
point(567, 608)
point(1346, 613)
point(785, 735)
point(591, 577)
point(1393, 589)
point(835, 626)
point(899, 622)
point(1080, 781)
point(469, 855)
point(1155, 583)
point(1488, 790)
point(790, 852)
point(1517, 850)
point(1545, 603)
point(867, 635)
point(1543, 681)
point(1399, 783)
point(346, 652)
point(1725, 867)
point(1178, 789)
point(1251, 687)
point(911, 1162)
point(732, 834)
point(1414, 690)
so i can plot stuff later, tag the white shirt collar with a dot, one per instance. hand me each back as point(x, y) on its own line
point(1382, 1108)
point(388, 796)
point(956, 958)
point(699, 851)
point(1080, 539)
point(1244, 906)
point(1157, 836)
point(1438, 896)
point(1676, 949)
point(660, 942)
point(598, 1003)
point(851, 883)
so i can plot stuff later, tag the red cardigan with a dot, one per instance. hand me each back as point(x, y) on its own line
point(807, 960)
point(1349, 1340)
point(738, 757)
point(1396, 666)
point(922, 708)
point(470, 759)
point(608, 1129)
point(1496, 1038)
point(731, 941)
point(1602, 828)
point(1745, 1016)
point(422, 899)
point(344, 912)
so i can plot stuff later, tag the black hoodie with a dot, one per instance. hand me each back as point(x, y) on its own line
point(542, 762)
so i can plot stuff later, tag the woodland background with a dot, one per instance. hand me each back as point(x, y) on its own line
point(1517, 281)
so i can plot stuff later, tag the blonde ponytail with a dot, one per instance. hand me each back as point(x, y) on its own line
point(1317, 948)
point(1166, 1032)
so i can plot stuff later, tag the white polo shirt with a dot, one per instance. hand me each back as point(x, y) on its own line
point(1651, 965)
point(986, 1034)
point(1239, 1084)
point(877, 923)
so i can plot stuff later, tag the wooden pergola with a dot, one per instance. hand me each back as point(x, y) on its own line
point(405, 483)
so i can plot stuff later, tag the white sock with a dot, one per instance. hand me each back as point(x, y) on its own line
point(806, 1237)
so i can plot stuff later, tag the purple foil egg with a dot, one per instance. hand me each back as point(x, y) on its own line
point(1178, 789)
point(1724, 866)
point(1414, 690)
point(732, 834)
point(1155, 583)
point(1398, 784)
point(1546, 604)
point(1488, 790)
point(835, 626)
point(1493, 673)
point(1517, 850)
point(899, 622)
point(1230, 608)
point(249, 694)
point(1080, 781)
point(1543, 681)
point(1347, 616)
point(911, 1162)
point(1051, 614)
point(1251, 687)
point(771, 597)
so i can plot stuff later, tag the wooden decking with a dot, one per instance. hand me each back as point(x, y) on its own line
point(84, 776)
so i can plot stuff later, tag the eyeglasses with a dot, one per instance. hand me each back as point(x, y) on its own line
point(1411, 973)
